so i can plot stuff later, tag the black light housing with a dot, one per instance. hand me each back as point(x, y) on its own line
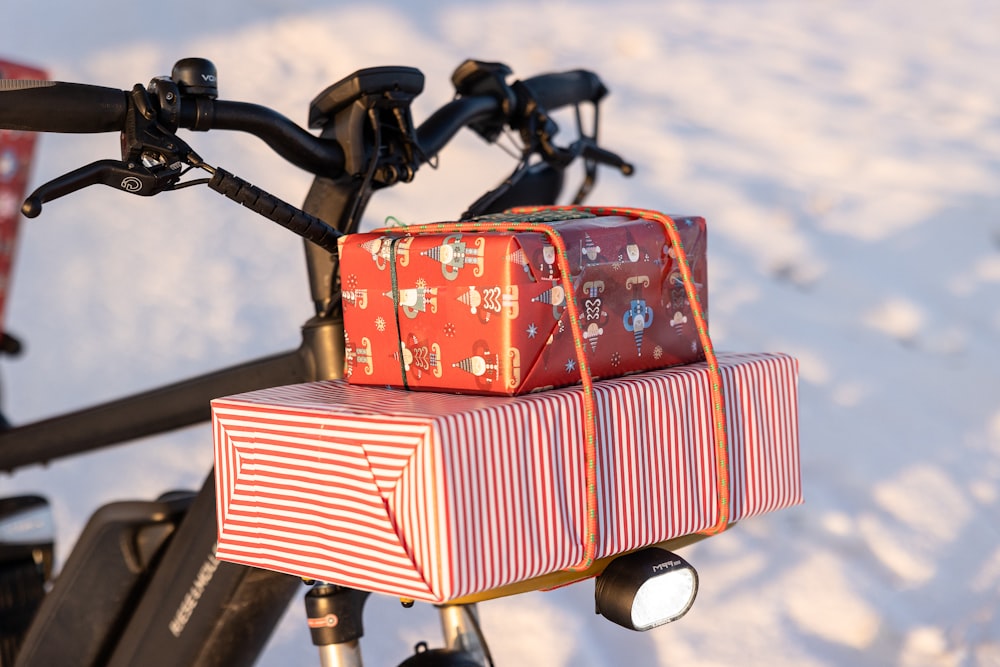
point(645, 589)
point(27, 531)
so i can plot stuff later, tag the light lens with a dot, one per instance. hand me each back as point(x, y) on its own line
point(646, 588)
point(664, 598)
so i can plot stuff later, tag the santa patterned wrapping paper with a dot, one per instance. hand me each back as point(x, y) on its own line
point(486, 312)
point(16, 151)
point(437, 496)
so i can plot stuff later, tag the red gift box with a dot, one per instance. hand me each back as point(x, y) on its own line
point(439, 496)
point(486, 312)
point(16, 151)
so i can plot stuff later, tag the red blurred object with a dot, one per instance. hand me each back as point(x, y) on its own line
point(16, 152)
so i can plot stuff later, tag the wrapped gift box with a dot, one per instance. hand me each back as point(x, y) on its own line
point(16, 152)
point(486, 312)
point(438, 496)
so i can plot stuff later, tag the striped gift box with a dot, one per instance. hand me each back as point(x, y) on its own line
point(439, 496)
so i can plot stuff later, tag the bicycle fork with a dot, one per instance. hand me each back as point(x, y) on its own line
point(334, 617)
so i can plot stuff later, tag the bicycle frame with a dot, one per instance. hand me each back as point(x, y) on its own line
point(237, 607)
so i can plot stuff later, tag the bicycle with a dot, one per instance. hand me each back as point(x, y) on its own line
point(143, 574)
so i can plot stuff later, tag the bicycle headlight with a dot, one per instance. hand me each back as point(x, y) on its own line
point(646, 588)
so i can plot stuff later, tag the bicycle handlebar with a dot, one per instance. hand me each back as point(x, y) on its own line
point(154, 158)
point(53, 106)
point(56, 106)
point(563, 89)
point(291, 142)
point(435, 132)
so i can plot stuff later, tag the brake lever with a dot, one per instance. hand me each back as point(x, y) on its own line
point(153, 159)
point(591, 152)
point(593, 155)
point(135, 178)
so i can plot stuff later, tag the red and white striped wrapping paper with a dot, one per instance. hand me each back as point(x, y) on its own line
point(439, 496)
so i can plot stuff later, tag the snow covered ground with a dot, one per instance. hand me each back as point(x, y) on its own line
point(847, 157)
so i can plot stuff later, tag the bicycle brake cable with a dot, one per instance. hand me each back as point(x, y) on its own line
point(271, 207)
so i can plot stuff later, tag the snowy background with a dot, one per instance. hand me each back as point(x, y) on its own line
point(847, 157)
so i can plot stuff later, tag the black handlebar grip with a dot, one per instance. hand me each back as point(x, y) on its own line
point(291, 218)
point(566, 88)
point(53, 106)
